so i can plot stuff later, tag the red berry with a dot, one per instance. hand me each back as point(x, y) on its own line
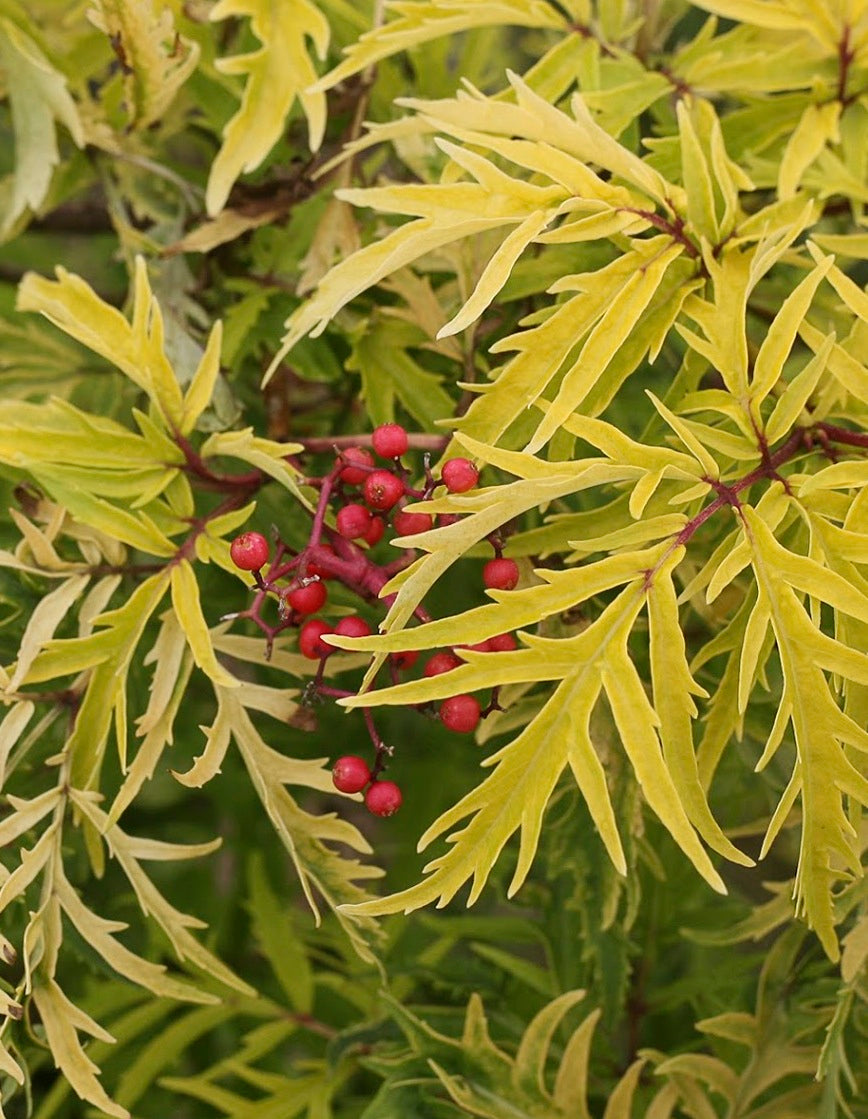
point(308, 598)
point(375, 531)
point(503, 643)
point(249, 551)
point(383, 798)
point(446, 519)
point(351, 773)
point(500, 574)
point(459, 475)
point(309, 643)
point(479, 647)
point(353, 626)
point(405, 524)
point(382, 489)
point(405, 659)
point(460, 713)
point(440, 663)
point(390, 440)
point(357, 458)
point(353, 521)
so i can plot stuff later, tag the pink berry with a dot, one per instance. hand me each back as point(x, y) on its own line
point(500, 574)
point(308, 598)
point(375, 531)
point(383, 798)
point(405, 659)
point(460, 713)
point(351, 773)
point(390, 440)
point(249, 551)
point(440, 663)
point(502, 643)
point(405, 524)
point(459, 475)
point(353, 521)
point(309, 643)
point(357, 458)
point(383, 489)
point(353, 626)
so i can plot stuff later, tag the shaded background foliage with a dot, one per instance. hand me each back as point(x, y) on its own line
point(188, 162)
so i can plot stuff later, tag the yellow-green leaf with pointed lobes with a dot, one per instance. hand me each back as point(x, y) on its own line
point(780, 336)
point(47, 615)
point(187, 603)
point(156, 59)
point(136, 348)
point(420, 21)
point(636, 721)
point(37, 98)
point(697, 178)
point(603, 342)
point(817, 127)
point(97, 933)
point(207, 764)
point(277, 73)
point(199, 393)
point(61, 1019)
point(673, 688)
point(528, 1071)
point(571, 1082)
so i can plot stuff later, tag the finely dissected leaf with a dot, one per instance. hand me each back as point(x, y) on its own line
point(175, 925)
point(155, 59)
point(188, 610)
point(62, 1020)
point(820, 726)
point(11, 728)
point(673, 688)
point(97, 932)
point(305, 836)
point(278, 72)
point(136, 348)
point(38, 97)
point(419, 21)
point(528, 1071)
point(198, 395)
point(48, 614)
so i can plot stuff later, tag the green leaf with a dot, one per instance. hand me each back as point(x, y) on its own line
point(38, 96)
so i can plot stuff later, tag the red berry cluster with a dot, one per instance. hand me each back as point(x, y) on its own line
point(357, 499)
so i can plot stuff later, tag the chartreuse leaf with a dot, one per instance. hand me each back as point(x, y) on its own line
point(447, 544)
point(780, 336)
point(156, 59)
point(97, 933)
point(820, 726)
point(128, 851)
point(528, 1070)
point(673, 688)
point(419, 21)
point(277, 73)
point(61, 1021)
point(305, 836)
point(198, 395)
point(136, 348)
point(187, 604)
point(515, 795)
point(279, 940)
point(38, 96)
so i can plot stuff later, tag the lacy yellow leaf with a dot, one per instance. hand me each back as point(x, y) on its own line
point(136, 348)
point(419, 21)
point(155, 59)
point(277, 73)
point(186, 601)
